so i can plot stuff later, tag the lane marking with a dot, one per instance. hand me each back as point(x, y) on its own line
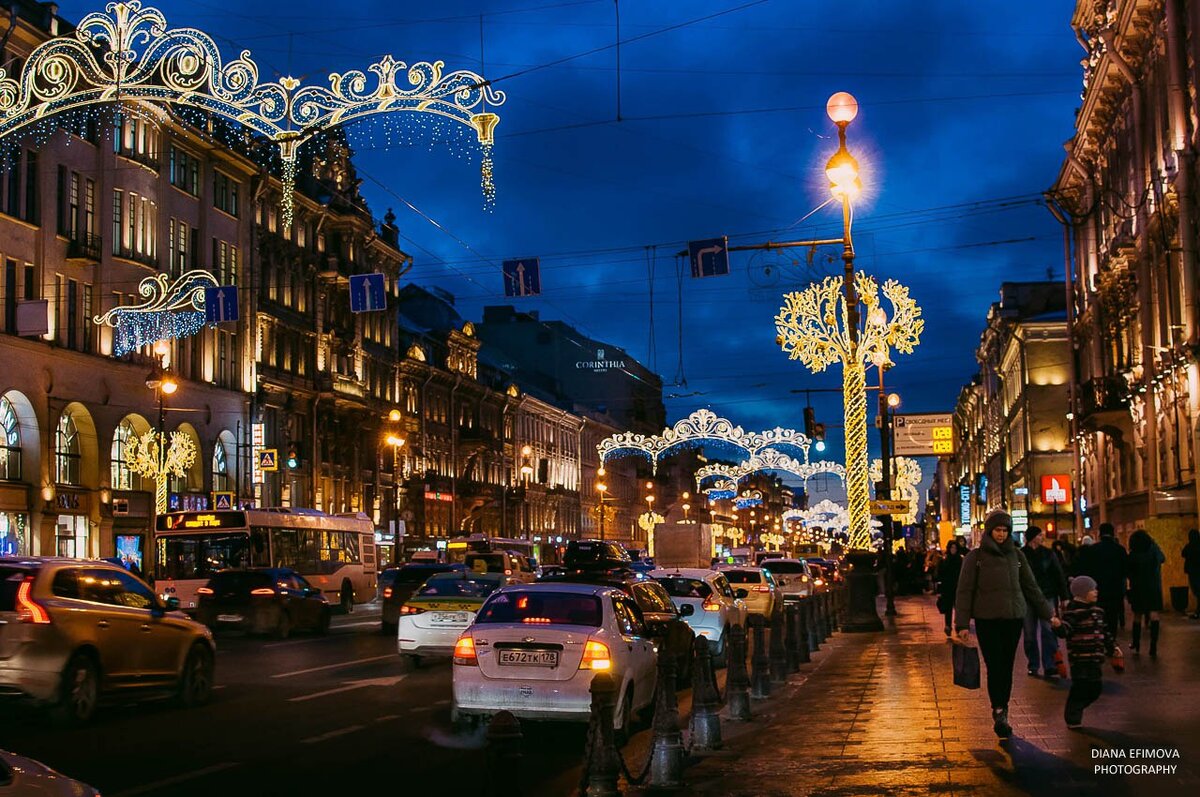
point(361, 684)
point(334, 666)
point(386, 718)
point(358, 625)
point(304, 641)
point(332, 734)
point(177, 779)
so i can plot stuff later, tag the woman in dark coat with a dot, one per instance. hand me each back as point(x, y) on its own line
point(1145, 587)
point(947, 582)
point(1191, 566)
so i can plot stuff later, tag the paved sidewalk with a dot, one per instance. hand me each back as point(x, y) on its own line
point(878, 714)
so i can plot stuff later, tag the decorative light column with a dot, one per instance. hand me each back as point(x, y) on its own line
point(150, 457)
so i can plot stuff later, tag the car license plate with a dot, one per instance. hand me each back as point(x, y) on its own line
point(529, 658)
point(229, 618)
point(449, 618)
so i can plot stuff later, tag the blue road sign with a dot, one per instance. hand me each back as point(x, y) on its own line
point(710, 257)
point(522, 277)
point(368, 293)
point(221, 304)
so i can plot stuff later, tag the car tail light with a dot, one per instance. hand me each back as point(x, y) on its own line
point(406, 609)
point(387, 592)
point(819, 582)
point(804, 579)
point(711, 606)
point(29, 610)
point(762, 588)
point(204, 591)
point(262, 591)
point(595, 656)
point(464, 651)
point(508, 572)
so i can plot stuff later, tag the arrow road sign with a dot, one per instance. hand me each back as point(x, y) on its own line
point(220, 304)
point(522, 277)
point(883, 507)
point(368, 293)
point(710, 257)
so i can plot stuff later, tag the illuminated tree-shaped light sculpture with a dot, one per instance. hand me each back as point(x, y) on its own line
point(906, 478)
point(647, 522)
point(813, 327)
point(147, 457)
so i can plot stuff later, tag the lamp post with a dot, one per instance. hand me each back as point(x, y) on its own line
point(650, 519)
point(887, 408)
point(526, 475)
point(601, 488)
point(396, 441)
point(822, 325)
point(150, 456)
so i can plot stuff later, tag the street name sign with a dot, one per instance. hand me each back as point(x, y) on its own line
point(926, 434)
point(884, 507)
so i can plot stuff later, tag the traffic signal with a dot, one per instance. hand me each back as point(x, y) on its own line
point(293, 458)
point(810, 423)
point(819, 435)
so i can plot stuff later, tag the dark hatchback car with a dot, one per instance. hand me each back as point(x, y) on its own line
point(664, 621)
point(397, 585)
point(266, 600)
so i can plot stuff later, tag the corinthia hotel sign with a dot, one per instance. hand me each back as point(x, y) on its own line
point(599, 365)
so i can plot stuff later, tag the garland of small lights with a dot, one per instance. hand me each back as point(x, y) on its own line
point(145, 457)
point(812, 327)
point(129, 55)
point(747, 499)
point(171, 310)
point(906, 477)
point(768, 460)
point(700, 427)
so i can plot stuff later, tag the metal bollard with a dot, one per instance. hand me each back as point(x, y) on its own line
point(706, 703)
point(789, 639)
point(666, 752)
point(737, 681)
point(504, 754)
point(828, 597)
point(601, 766)
point(760, 679)
point(834, 598)
point(801, 635)
point(810, 614)
point(822, 616)
point(779, 660)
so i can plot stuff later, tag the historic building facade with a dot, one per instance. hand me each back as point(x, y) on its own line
point(1013, 435)
point(1126, 194)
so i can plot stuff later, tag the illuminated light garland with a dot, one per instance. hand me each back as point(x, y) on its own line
point(702, 426)
point(769, 459)
point(129, 54)
point(747, 499)
point(145, 457)
point(812, 327)
point(722, 490)
point(171, 310)
point(906, 479)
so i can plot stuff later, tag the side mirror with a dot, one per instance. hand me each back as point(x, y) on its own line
point(687, 610)
point(741, 593)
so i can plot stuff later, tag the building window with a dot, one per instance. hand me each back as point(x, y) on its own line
point(184, 171)
point(220, 468)
point(122, 477)
point(225, 193)
point(117, 204)
point(66, 451)
point(10, 442)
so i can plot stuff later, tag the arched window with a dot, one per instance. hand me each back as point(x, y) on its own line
point(10, 442)
point(66, 451)
point(221, 482)
point(122, 477)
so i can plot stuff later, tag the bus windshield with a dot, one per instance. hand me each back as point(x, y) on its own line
point(199, 556)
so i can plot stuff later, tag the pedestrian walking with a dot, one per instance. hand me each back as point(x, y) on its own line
point(1051, 580)
point(947, 582)
point(995, 588)
point(1145, 587)
point(1108, 564)
point(1065, 552)
point(1191, 566)
point(1088, 642)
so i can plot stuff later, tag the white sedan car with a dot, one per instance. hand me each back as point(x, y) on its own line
point(24, 777)
point(758, 583)
point(794, 578)
point(440, 610)
point(534, 649)
point(707, 602)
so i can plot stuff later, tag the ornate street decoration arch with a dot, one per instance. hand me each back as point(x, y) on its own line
point(721, 490)
point(906, 478)
point(748, 498)
point(702, 426)
point(171, 310)
point(128, 54)
point(769, 459)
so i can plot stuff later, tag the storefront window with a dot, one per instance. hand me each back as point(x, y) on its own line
point(122, 477)
point(73, 536)
point(14, 534)
point(66, 451)
point(10, 442)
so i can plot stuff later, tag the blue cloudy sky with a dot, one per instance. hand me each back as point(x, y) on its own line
point(964, 108)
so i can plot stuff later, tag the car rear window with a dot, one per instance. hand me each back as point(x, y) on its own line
point(743, 576)
point(684, 587)
point(10, 579)
point(542, 608)
point(418, 574)
point(458, 587)
point(776, 566)
point(239, 581)
point(491, 562)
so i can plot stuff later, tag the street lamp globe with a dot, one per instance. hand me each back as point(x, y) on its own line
point(842, 108)
point(842, 171)
point(168, 385)
point(893, 400)
point(394, 416)
point(602, 487)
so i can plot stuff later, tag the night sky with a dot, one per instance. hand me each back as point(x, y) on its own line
point(964, 108)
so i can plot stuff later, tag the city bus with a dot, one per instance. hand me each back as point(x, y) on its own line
point(335, 553)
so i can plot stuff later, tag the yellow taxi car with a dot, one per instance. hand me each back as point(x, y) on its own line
point(440, 610)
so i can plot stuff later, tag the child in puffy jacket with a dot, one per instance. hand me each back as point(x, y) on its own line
point(1088, 643)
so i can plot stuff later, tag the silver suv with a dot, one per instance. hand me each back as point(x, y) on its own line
point(74, 629)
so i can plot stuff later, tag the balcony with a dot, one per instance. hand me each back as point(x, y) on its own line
point(84, 249)
point(1104, 405)
point(125, 253)
point(148, 159)
point(348, 386)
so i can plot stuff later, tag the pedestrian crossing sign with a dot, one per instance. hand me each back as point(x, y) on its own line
point(268, 459)
point(222, 500)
